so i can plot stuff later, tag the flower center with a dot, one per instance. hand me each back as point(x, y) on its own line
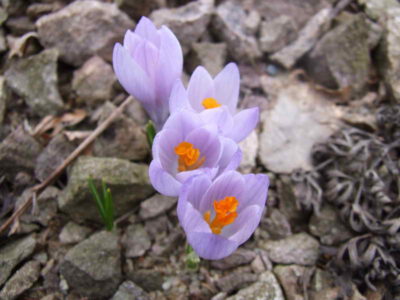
point(189, 157)
point(210, 103)
point(225, 214)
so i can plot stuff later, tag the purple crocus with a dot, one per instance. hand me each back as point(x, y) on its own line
point(147, 65)
point(220, 215)
point(208, 96)
point(187, 146)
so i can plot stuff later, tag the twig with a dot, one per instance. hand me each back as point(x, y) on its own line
point(37, 189)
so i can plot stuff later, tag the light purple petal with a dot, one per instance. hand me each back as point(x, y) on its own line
point(167, 140)
point(219, 116)
point(146, 29)
point(244, 225)
point(184, 176)
point(231, 155)
point(162, 181)
point(256, 191)
point(131, 41)
point(200, 86)
point(211, 246)
point(178, 99)
point(184, 122)
point(146, 56)
point(244, 122)
point(193, 189)
point(132, 77)
point(230, 183)
point(226, 85)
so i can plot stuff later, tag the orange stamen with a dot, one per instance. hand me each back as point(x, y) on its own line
point(225, 214)
point(189, 157)
point(210, 103)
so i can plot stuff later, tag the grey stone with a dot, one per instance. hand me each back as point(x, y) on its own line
point(137, 113)
point(18, 152)
point(252, 22)
point(124, 138)
point(14, 253)
point(276, 224)
point(166, 244)
point(130, 291)
point(129, 184)
point(266, 288)
point(3, 15)
point(158, 225)
point(20, 25)
point(137, 8)
point(136, 241)
point(249, 147)
point(36, 10)
point(235, 281)
point(94, 81)
point(156, 205)
point(73, 233)
point(35, 79)
point(211, 56)
point(4, 96)
point(300, 249)
point(83, 29)
point(228, 24)
point(329, 227)
point(388, 53)
point(93, 267)
point(307, 37)
point(291, 279)
point(375, 33)
point(277, 33)
point(52, 156)
point(150, 280)
point(3, 42)
point(237, 258)
point(297, 111)
point(378, 9)
point(187, 22)
point(22, 280)
point(346, 66)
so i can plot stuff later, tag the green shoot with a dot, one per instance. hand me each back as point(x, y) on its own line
point(150, 133)
point(192, 259)
point(104, 203)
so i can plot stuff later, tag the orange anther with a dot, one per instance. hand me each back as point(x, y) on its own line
point(189, 157)
point(210, 103)
point(225, 214)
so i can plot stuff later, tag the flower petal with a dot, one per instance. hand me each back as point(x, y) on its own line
point(211, 246)
point(200, 86)
point(146, 29)
point(131, 40)
point(146, 56)
point(256, 191)
point(178, 99)
point(167, 140)
point(194, 188)
point(231, 155)
point(162, 181)
point(226, 85)
point(219, 116)
point(244, 122)
point(184, 122)
point(184, 176)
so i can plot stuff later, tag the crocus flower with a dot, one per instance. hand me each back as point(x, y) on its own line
point(207, 95)
point(187, 146)
point(219, 216)
point(147, 65)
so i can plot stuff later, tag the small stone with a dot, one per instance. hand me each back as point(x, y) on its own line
point(135, 111)
point(83, 29)
point(130, 291)
point(73, 233)
point(328, 226)
point(129, 184)
point(14, 253)
point(228, 24)
point(378, 9)
point(307, 37)
point(252, 22)
point(158, 225)
point(266, 288)
point(300, 249)
point(211, 56)
point(20, 25)
point(187, 22)
point(35, 79)
point(94, 81)
point(165, 245)
point(137, 8)
point(18, 152)
point(237, 258)
point(291, 278)
point(136, 241)
point(375, 33)
point(156, 205)
point(4, 96)
point(93, 267)
point(52, 156)
point(276, 224)
point(277, 33)
point(3, 15)
point(150, 280)
point(235, 281)
point(22, 280)
point(249, 147)
point(38, 9)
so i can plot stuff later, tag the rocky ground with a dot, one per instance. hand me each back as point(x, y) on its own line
point(326, 76)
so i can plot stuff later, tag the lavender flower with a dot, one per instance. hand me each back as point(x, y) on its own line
point(208, 96)
point(219, 216)
point(147, 65)
point(187, 146)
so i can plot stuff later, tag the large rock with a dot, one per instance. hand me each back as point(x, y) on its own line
point(299, 118)
point(292, 278)
point(188, 22)
point(130, 291)
point(300, 249)
point(22, 280)
point(229, 25)
point(35, 79)
point(266, 288)
point(211, 56)
point(346, 66)
point(249, 147)
point(93, 267)
point(94, 81)
point(128, 182)
point(14, 253)
point(83, 29)
point(277, 33)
